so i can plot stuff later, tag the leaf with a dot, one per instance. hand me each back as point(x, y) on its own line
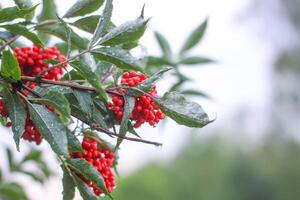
point(85, 71)
point(17, 114)
point(12, 191)
point(89, 172)
point(11, 13)
point(195, 60)
point(60, 102)
point(103, 23)
point(11, 163)
point(195, 93)
point(68, 31)
point(128, 108)
point(164, 44)
point(98, 118)
point(74, 76)
point(48, 13)
point(85, 101)
point(194, 38)
point(5, 35)
point(157, 61)
point(68, 185)
point(190, 114)
point(128, 32)
point(146, 85)
point(58, 30)
point(25, 4)
point(18, 29)
point(33, 155)
point(84, 190)
point(10, 66)
point(74, 144)
point(83, 7)
point(50, 128)
point(89, 24)
point(121, 58)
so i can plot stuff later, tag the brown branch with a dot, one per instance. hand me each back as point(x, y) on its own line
point(11, 40)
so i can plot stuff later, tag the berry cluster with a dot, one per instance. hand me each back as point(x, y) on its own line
point(4, 113)
point(145, 109)
point(101, 159)
point(31, 63)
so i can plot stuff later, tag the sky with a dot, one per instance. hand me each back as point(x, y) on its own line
point(238, 79)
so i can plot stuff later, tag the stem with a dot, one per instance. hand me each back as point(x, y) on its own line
point(8, 42)
point(61, 63)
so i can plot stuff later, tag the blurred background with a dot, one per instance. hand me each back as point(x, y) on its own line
point(252, 150)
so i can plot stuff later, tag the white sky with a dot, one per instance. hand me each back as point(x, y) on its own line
point(240, 78)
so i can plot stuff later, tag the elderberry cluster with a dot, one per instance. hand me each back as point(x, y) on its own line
point(32, 62)
point(102, 159)
point(144, 109)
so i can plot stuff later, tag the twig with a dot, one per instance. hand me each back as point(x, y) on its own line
point(61, 63)
point(8, 42)
point(107, 74)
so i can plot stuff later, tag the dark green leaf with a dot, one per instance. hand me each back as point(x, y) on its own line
point(157, 61)
point(84, 69)
point(128, 107)
point(68, 185)
point(103, 23)
point(98, 118)
point(10, 66)
point(128, 32)
point(11, 163)
point(85, 101)
point(121, 58)
point(190, 114)
point(164, 45)
point(83, 7)
point(88, 171)
point(48, 13)
point(17, 114)
point(11, 13)
point(84, 190)
point(33, 155)
point(23, 4)
point(146, 85)
point(50, 128)
point(129, 45)
point(61, 104)
point(68, 31)
point(12, 191)
point(195, 37)
point(102, 69)
point(74, 75)
point(36, 177)
point(195, 60)
point(58, 30)
point(18, 29)
point(89, 24)
point(74, 144)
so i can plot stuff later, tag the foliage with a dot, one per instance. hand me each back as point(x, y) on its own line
point(217, 169)
point(44, 106)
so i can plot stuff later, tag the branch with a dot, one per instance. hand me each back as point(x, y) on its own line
point(8, 42)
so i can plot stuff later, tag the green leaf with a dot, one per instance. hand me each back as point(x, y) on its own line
point(98, 117)
point(146, 85)
point(128, 108)
point(5, 35)
point(195, 93)
point(11, 13)
point(50, 128)
point(25, 4)
point(10, 66)
point(60, 102)
point(83, 7)
point(11, 163)
point(190, 114)
point(103, 23)
point(68, 185)
point(33, 155)
point(84, 190)
point(128, 32)
point(12, 191)
point(18, 29)
point(17, 114)
point(194, 38)
point(89, 24)
point(164, 44)
point(85, 101)
point(74, 76)
point(74, 144)
point(85, 71)
point(121, 58)
point(89, 172)
point(68, 31)
point(195, 60)
point(58, 30)
point(48, 13)
point(157, 61)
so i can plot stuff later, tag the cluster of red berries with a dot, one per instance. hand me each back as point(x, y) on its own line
point(4, 113)
point(31, 63)
point(101, 159)
point(144, 110)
